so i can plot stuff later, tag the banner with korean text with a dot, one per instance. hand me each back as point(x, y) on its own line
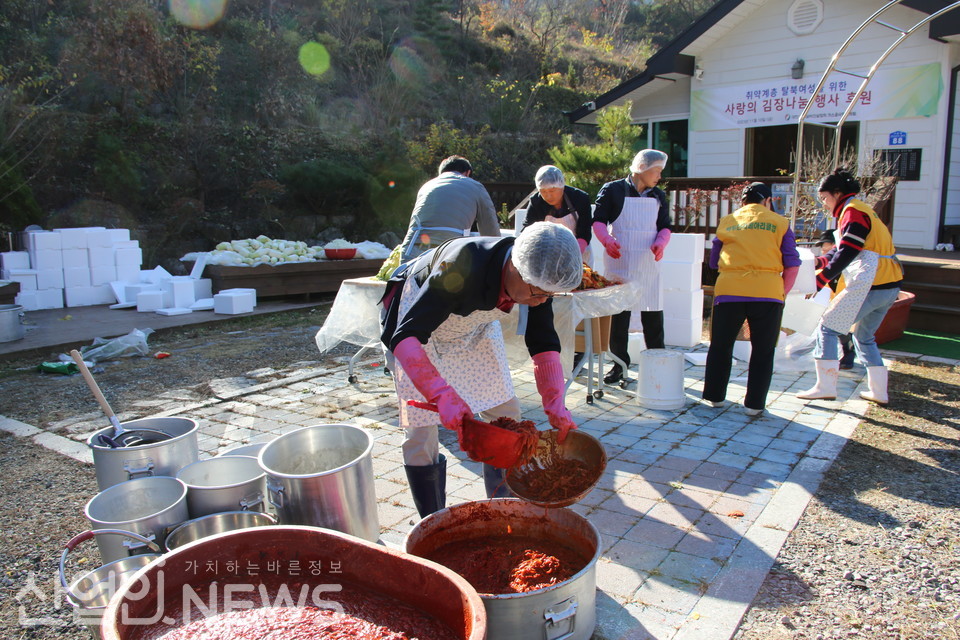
point(907, 92)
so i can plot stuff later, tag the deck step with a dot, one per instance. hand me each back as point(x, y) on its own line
point(934, 317)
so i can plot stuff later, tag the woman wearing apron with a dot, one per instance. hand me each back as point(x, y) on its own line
point(872, 275)
point(639, 220)
point(440, 321)
point(557, 202)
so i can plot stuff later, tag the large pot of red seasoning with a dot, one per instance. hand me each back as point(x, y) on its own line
point(475, 537)
point(293, 582)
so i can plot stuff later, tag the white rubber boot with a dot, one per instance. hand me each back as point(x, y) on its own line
point(826, 387)
point(876, 385)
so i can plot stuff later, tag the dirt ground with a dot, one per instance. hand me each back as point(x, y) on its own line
point(875, 555)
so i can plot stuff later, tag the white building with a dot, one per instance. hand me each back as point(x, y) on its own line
point(724, 97)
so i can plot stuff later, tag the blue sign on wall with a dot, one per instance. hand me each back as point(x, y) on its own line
point(898, 138)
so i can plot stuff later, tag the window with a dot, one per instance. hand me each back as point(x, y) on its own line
point(671, 138)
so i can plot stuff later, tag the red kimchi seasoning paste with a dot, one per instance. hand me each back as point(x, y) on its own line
point(350, 614)
point(510, 564)
point(550, 477)
point(527, 433)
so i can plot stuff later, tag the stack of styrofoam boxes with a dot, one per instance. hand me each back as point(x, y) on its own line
point(680, 273)
point(169, 295)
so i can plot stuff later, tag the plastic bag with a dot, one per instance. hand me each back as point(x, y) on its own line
point(132, 344)
point(795, 353)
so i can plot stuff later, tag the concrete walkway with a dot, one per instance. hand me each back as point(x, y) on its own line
point(693, 508)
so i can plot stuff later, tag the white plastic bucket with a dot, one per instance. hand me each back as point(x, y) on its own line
point(806, 281)
point(660, 385)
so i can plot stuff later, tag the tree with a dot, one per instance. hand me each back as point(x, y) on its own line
point(588, 167)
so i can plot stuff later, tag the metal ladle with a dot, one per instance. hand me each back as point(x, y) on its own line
point(121, 437)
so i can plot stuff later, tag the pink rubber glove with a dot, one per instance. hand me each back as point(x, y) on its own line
point(548, 372)
point(608, 241)
point(663, 238)
point(789, 278)
point(425, 377)
point(583, 245)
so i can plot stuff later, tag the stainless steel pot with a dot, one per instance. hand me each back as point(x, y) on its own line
point(193, 530)
point(11, 325)
point(322, 476)
point(164, 458)
point(252, 449)
point(231, 483)
point(565, 611)
point(91, 592)
point(148, 506)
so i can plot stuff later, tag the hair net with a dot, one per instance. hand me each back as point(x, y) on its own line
point(549, 177)
point(647, 159)
point(548, 257)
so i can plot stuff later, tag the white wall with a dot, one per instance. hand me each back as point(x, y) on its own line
point(766, 49)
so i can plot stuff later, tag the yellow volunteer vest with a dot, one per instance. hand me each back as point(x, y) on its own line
point(879, 241)
point(750, 262)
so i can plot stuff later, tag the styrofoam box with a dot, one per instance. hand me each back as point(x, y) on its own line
point(103, 274)
point(685, 247)
point(683, 276)
point(47, 259)
point(233, 303)
point(128, 257)
point(76, 259)
point(203, 304)
point(126, 244)
point(87, 296)
point(174, 311)
point(14, 260)
point(99, 238)
point(252, 292)
point(683, 304)
point(36, 300)
point(101, 256)
point(50, 299)
point(131, 291)
point(76, 278)
point(26, 277)
point(150, 300)
point(682, 332)
point(75, 238)
point(49, 279)
point(180, 289)
point(119, 235)
point(43, 240)
point(129, 274)
point(28, 300)
point(202, 288)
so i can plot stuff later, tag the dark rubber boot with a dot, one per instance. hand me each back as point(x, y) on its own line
point(428, 484)
point(493, 482)
point(614, 376)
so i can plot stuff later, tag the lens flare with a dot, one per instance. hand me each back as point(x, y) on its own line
point(391, 184)
point(314, 58)
point(197, 14)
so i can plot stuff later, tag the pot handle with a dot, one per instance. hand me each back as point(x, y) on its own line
point(88, 535)
point(565, 611)
point(255, 499)
point(275, 492)
point(138, 472)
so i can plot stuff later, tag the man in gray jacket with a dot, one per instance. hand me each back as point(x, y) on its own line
point(447, 207)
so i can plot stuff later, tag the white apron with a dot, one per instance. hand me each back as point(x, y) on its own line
point(636, 229)
point(470, 355)
point(858, 277)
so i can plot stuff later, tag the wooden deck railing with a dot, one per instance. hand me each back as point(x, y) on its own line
point(696, 204)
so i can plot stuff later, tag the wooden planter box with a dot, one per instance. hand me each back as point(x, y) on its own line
point(291, 279)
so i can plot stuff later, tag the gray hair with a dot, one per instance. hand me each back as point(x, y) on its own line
point(549, 176)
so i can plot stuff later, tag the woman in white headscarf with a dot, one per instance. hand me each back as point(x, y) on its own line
point(556, 201)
